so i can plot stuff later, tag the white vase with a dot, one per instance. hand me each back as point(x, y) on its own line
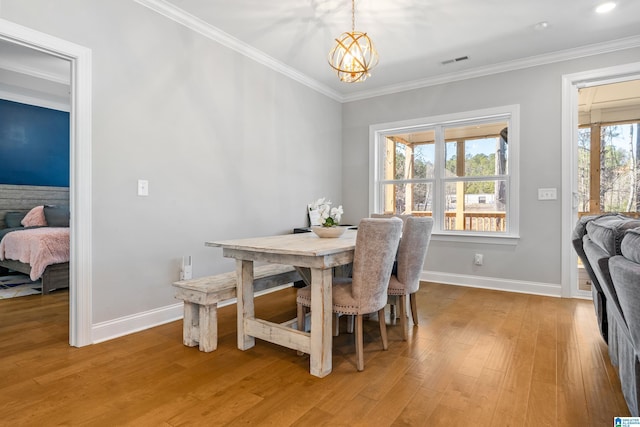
point(326, 232)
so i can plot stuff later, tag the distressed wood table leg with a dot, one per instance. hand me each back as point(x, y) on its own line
point(190, 324)
point(244, 270)
point(321, 319)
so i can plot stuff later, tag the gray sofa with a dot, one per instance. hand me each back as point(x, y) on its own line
point(615, 275)
point(625, 276)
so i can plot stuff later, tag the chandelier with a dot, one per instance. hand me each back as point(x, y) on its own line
point(353, 55)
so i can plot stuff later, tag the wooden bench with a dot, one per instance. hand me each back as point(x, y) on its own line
point(201, 297)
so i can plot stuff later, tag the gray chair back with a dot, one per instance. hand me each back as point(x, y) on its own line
point(401, 216)
point(413, 250)
point(376, 246)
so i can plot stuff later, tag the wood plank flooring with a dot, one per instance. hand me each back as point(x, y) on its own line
point(478, 357)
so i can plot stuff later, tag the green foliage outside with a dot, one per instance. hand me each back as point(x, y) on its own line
point(619, 184)
point(478, 165)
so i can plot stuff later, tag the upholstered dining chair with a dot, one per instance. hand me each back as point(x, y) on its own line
point(366, 291)
point(416, 235)
point(403, 217)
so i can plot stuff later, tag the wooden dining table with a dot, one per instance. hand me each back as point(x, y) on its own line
point(304, 250)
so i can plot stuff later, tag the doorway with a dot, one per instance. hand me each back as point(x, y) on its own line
point(598, 108)
point(80, 169)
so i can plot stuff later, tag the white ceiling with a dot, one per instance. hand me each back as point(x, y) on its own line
point(413, 37)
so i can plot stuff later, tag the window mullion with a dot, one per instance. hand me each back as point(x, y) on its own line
point(438, 191)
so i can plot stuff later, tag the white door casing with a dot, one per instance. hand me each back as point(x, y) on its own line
point(570, 85)
point(80, 170)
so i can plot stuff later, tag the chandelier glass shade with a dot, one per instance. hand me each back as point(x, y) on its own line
point(353, 55)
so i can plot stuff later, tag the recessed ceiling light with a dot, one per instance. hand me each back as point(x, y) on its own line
point(606, 7)
point(541, 26)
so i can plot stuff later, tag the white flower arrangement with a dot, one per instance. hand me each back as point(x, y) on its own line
point(321, 213)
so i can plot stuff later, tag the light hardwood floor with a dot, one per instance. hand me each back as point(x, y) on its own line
point(479, 357)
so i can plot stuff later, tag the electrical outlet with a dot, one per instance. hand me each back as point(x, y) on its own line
point(186, 272)
point(478, 259)
point(547, 193)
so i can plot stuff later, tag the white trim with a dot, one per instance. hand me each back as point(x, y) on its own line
point(570, 85)
point(33, 72)
point(518, 64)
point(519, 286)
point(32, 100)
point(80, 164)
point(478, 238)
point(126, 325)
point(137, 322)
point(196, 24)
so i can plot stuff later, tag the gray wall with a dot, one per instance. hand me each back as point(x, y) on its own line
point(230, 147)
point(537, 256)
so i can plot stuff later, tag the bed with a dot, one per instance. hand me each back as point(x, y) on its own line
point(36, 243)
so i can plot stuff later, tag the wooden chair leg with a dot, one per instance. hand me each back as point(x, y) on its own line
point(383, 329)
point(350, 322)
point(301, 318)
point(302, 322)
point(359, 344)
point(336, 324)
point(392, 310)
point(402, 305)
point(414, 309)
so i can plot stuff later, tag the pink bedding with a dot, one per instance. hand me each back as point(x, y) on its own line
point(39, 247)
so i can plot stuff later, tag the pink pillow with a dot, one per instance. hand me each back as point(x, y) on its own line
point(34, 218)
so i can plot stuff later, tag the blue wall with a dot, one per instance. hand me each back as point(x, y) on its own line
point(34, 145)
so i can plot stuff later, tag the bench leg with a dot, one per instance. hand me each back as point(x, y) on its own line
point(208, 327)
point(190, 324)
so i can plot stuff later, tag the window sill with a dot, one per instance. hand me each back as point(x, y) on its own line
point(482, 238)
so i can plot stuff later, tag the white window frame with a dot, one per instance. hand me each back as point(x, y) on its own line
point(379, 132)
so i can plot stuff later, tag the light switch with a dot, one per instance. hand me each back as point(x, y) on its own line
point(547, 193)
point(143, 187)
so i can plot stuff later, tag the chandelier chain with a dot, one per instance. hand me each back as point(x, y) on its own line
point(353, 16)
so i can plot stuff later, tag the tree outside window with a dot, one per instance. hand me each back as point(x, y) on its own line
point(608, 177)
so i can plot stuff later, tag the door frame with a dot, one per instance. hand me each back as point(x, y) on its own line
point(80, 283)
point(570, 85)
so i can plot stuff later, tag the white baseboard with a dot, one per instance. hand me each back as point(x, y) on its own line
point(535, 288)
point(140, 321)
point(126, 325)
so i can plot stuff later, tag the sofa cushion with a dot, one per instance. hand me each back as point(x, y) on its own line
point(607, 231)
point(630, 246)
point(581, 226)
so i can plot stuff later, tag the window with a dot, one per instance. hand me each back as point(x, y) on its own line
point(461, 169)
point(608, 171)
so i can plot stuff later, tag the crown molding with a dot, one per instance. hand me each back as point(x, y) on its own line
point(180, 16)
point(532, 61)
point(15, 67)
point(39, 101)
point(198, 25)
